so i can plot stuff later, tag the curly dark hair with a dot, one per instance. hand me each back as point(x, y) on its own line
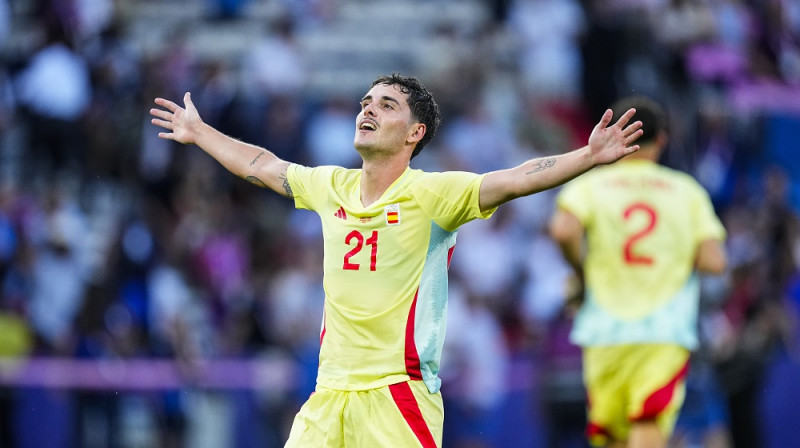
point(423, 107)
point(648, 111)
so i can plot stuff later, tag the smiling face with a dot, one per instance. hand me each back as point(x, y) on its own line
point(385, 124)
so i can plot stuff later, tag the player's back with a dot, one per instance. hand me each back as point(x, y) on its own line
point(643, 224)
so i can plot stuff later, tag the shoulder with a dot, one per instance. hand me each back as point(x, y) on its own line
point(595, 176)
point(442, 182)
point(445, 176)
point(323, 171)
point(683, 178)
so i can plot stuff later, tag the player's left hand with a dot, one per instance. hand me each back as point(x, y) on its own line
point(608, 144)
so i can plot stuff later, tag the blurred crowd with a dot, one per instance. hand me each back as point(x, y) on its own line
point(115, 244)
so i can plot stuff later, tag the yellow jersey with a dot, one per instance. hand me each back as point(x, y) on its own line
point(643, 223)
point(385, 271)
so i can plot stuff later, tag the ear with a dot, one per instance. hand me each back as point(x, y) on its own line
point(416, 132)
point(662, 139)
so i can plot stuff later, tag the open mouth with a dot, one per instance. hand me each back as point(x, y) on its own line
point(367, 126)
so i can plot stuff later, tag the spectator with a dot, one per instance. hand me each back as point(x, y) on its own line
point(54, 91)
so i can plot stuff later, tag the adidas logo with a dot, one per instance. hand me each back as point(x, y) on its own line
point(340, 213)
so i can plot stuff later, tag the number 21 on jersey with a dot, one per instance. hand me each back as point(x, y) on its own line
point(357, 241)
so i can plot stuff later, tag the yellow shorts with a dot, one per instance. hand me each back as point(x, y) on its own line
point(399, 415)
point(629, 383)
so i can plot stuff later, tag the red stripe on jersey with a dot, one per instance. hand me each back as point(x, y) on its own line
point(412, 357)
point(450, 254)
point(322, 331)
point(660, 399)
point(408, 406)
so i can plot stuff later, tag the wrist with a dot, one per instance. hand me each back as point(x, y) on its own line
point(586, 158)
point(199, 131)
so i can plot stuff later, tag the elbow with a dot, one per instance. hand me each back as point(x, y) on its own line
point(721, 266)
point(716, 267)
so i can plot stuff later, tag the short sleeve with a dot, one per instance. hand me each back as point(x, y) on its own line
point(309, 185)
point(707, 224)
point(453, 198)
point(573, 198)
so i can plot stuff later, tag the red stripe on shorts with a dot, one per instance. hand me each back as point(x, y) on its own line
point(412, 356)
point(407, 403)
point(660, 399)
point(595, 430)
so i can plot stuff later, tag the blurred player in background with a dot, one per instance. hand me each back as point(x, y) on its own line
point(637, 234)
point(389, 231)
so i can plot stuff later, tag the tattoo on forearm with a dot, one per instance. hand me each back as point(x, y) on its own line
point(286, 186)
point(256, 181)
point(542, 164)
point(256, 159)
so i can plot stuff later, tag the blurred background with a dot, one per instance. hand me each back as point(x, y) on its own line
point(148, 298)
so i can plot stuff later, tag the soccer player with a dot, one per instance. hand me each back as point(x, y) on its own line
point(637, 233)
point(389, 232)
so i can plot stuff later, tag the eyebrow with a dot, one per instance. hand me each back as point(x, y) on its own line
point(385, 98)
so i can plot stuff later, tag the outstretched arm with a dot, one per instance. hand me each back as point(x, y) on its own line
point(606, 145)
point(250, 162)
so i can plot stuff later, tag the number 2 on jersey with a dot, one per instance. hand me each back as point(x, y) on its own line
point(356, 236)
point(652, 217)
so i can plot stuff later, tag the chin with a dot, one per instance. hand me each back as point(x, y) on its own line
point(362, 145)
